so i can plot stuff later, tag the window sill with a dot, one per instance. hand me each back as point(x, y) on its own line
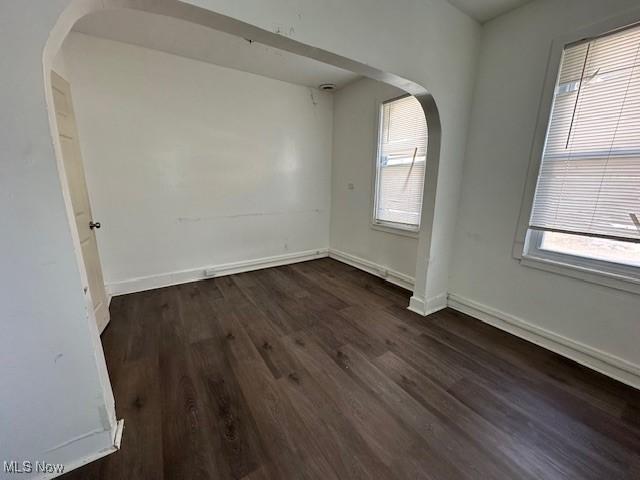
point(395, 230)
point(584, 273)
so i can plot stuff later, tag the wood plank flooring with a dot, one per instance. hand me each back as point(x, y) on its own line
point(318, 371)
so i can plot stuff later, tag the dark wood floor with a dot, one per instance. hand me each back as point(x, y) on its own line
point(317, 370)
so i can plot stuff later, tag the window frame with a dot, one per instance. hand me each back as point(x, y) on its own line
point(526, 245)
point(611, 274)
point(381, 225)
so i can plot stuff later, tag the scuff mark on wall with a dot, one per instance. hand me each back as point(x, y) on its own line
point(313, 98)
point(285, 32)
point(242, 215)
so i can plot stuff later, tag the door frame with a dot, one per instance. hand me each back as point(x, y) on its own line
point(66, 193)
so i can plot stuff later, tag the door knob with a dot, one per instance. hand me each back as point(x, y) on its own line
point(93, 225)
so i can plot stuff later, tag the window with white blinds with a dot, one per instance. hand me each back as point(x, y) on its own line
point(401, 162)
point(589, 180)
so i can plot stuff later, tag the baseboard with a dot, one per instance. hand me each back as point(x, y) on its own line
point(431, 305)
point(390, 275)
point(191, 275)
point(602, 362)
point(416, 305)
point(117, 435)
point(95, 445)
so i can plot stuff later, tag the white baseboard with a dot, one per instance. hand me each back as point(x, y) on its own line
point(95, 445)
point(117, 435)
point(595, 359)
point(602, 362)
point(416, 305)
point(431, 305)
point(151, 282)
point(191, 275)
point(390, 275)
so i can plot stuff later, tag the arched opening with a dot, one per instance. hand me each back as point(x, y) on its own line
point(79, 9)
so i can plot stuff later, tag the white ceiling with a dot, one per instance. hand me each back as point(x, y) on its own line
point(485, 10)
point(186, 39)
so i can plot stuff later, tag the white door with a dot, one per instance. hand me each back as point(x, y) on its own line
point(74, 172)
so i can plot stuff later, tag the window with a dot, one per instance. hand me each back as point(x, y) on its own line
point(586, 208)
point(400, 164)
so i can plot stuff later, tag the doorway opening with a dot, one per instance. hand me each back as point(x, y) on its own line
point(132, 243)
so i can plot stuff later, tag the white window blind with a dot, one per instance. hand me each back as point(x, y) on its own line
point(401, 162)
point(589, 180)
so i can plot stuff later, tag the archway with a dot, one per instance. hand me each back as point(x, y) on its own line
point(80, 8)
point(207, 18)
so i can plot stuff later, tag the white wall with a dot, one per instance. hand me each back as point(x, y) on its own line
point(43, 311)
point(354, 150)
point(427, 41)
point(513, 60)
point(53, 406)
point(191, 165)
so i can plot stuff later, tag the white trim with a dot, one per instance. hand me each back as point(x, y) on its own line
point(390, 275)
point(584, 273)
point(416, 305)
point(599, 272)
point(435, 304)
point(92, 440)
point(117, 435)
point(191, 275)
point(431, 305)
point(598, 360)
